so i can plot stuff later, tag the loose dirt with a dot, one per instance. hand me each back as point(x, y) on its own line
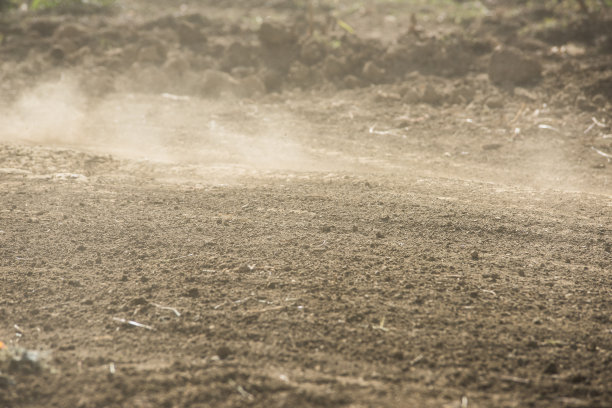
point(377, 204)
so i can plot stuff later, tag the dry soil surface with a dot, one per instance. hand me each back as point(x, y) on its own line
point(253, 232)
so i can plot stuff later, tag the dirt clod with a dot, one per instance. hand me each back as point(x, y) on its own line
point(273, 34)
point(244, 268)
point(193, 293)
point(512, 67)
point(223, 352)
point(311, 51)
point(551, 368)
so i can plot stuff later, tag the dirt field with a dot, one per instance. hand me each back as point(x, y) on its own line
point(358, 204)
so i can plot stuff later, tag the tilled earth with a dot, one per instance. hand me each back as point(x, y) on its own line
point(360, 238)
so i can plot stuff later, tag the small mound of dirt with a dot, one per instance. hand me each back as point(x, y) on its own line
point(312, 51)
point(272, 34)
point(444, 57)
point(509, 66)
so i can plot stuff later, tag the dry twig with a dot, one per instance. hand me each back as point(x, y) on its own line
point(176, 312)
point(132, 323)
point(606, 155)
point(517, 380)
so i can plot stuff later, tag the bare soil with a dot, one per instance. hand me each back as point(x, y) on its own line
point(358, 205)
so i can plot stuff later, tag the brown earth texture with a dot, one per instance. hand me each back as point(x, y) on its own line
point(286, 203)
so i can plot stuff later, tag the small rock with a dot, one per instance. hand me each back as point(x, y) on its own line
point(193, 293)
point(244, 268)
point(577, 378)
point(511, 66)
point(551, 368)
point(139, 301)
point(475, 255)
point(223, 352)
point(379, 235)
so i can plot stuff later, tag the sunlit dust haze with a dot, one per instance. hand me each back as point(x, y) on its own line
point(195, 137)
point(166, 128)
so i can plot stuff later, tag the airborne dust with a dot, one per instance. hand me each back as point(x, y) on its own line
point(161, 128)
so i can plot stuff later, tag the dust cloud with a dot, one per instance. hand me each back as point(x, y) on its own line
point(51, 113)
point(163, 128)
point(195, 137)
